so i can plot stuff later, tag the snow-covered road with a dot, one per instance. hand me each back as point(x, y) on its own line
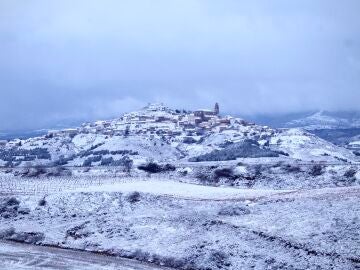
point(17, 256)
point(198, 192)
point(183, 190)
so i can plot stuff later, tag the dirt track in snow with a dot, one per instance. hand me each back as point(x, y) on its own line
point(17, 256)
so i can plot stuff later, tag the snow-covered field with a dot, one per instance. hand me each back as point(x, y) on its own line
point(181, 190)
point(187, 226)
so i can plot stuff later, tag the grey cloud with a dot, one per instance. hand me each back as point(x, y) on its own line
point(89, 59)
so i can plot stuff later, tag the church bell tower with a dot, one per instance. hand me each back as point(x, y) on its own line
point(216, 109)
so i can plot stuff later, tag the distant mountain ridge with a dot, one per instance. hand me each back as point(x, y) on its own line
point(340, 128)
point(26, 134)
point(309, 120)
point(326, 120)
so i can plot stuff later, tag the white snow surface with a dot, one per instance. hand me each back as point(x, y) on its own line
point(182, 190)
point(302, 145)
point(316, 229)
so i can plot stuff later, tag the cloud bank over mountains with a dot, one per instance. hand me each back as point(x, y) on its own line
point(66, 60)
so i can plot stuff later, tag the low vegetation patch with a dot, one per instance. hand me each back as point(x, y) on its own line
point(234, 211)
point(245, 149)
point(153, 167)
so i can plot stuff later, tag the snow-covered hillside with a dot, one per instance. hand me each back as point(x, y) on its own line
point(325, 120)
point(158, 133)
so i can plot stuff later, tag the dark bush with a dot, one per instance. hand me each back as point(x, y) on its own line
point(9, 207)
point(205, 177)
point(88, 162)
point(150, 167)
point(153, 167)
point(124, 152)
point(61, 161)
point(172, 262)
point(27, 237)
point(49, 136)
point(133, 197)
point(350, 173)
point(106, 161)
point(234, 211)
point(100, 152)
point(42, 202)
point(258, 169)
point(224, 173)
point(245, 149)
point(35, 171)
point(219, 258)
point(24, 211)
point(189, 140)
point(282, 153)
point(341, 159)
point(169, 167)
point(316, 170)
point(140, 255)
point(5, 234)
point(78, 232)
point(96, 158)
point(291, 168)
point(90, 150)
point(127, 131)
point(125, 162)
point(226, 143)
point(17, 154)
point(58, 171)
point(12, 201)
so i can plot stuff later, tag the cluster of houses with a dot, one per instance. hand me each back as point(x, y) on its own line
point(156, 119)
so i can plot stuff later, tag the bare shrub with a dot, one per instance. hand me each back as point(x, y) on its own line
point(219, 258)
point(78, 232)
point(205, 177)
point(224, 173)
point(291, 168)
point(4, 234)
point(150, 167)
point(234, 211)
point(27, 237)
point(153, 167)
point(9, 207)
point(350, 173)
point(133, 197)
point(316, 170)
point(42, 202)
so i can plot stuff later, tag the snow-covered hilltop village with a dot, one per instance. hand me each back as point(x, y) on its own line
point(161, 134)
point(157, 119)
point(175, 189)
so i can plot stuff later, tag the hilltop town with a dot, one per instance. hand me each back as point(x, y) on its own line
point(161, 134)
point(157, 119)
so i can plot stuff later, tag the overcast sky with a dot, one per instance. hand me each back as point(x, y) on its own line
point(69, 60)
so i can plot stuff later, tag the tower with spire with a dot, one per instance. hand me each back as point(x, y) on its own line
point(216, 109)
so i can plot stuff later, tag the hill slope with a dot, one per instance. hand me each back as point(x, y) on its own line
point(161, 134)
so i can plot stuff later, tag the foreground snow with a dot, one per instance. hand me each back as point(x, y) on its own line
point(17, 256)
point(187, 227)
